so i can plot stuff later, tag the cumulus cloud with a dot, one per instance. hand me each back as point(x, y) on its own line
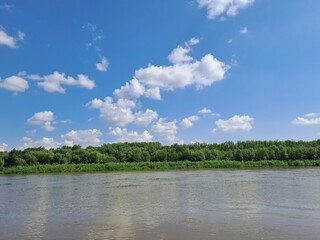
point(144, 118)
point(14, 84)
point(244, 30)
point(168, 130)
point(43, 119)
point(123, 135)
point(3, 147)
point(103, 65)
point(89, 137)
point(201, 73)
point(307, 119)
point(45, 142)
point(184, 71)
point(9, 41)
point(122, 112)
point(189, 121)
point(117, 113)
point(219, 7)
point(180, 53)
point(236, 123)
point(55, 82)
point(153, 93)
point(133, 89)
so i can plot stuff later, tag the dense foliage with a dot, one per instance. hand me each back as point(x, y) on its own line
point(155, 152)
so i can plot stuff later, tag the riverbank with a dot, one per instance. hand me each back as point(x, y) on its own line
point(142, 166)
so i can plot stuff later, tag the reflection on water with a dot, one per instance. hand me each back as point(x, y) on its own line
point(260, 204)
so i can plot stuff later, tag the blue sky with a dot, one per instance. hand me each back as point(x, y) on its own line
point(183, 71)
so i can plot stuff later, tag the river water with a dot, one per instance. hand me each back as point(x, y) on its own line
point(218, 204)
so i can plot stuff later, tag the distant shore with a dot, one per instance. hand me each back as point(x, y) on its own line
point(149, 166)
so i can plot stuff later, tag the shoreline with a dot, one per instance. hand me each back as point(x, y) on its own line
point(157, 166)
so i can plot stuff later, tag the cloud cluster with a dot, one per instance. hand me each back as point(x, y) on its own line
point(122, 112)
point(216, 8)
point(307, 119)
point(236, 123)
point(43, 119)
point(45, 142)
point(56, 81)
point(10, 41)
point(14, 84)
point(165, 129)
point(184, 71)
point(123, 135)
point(89, 137)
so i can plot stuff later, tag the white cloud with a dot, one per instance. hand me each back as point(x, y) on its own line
point(188, 122)
point(54, 82)
point(14, 84)
point(103, 65)
point(133, 89)
point(244, 30)
point(10, 41)
point(313, 114)
point(180, 53)
point(200, 73)
point(236, 123)
point(3, 147)
point(121, 112)
point(183, 72)
point(153, 93)
point(307, 119)
point(117, 113)
point(219, 7)
point(123, 135)
point(205, 111)
point(43, 119)
point(89, 137)
point(166, 129)
point(7, 40)
point(45, 142)
point(144, 118)
point(193, 41)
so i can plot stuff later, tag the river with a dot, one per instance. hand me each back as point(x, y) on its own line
point(218, 204)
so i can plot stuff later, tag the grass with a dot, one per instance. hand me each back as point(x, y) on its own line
point(140, 166)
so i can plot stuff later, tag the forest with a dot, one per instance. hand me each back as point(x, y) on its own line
point(244, 151)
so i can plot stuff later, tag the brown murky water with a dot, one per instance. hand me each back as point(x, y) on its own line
point(236, 204)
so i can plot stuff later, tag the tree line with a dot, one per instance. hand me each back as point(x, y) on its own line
point(155, 152)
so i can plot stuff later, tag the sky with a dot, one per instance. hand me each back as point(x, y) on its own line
point(184, 71)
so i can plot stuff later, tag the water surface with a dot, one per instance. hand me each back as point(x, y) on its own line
point(228, 204)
